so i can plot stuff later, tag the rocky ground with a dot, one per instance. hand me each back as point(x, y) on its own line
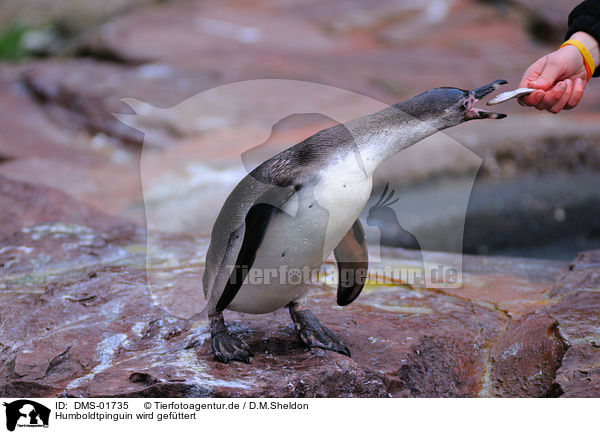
point(100, 267)
point(80, 318)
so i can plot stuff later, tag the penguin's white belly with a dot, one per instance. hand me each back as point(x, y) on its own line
point(344, 191)
point(298, 240)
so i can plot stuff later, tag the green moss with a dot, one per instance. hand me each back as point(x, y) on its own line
point(10, 43)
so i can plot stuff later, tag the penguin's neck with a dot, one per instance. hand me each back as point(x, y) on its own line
point(381, 135)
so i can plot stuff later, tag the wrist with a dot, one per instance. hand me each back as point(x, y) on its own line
point(591, 44)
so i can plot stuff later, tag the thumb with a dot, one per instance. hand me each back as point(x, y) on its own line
point(548, 76)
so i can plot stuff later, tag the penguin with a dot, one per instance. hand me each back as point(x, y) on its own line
point(292, 211)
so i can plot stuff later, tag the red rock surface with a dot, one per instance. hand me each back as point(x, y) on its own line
point(525, 359)
point(577, 310)
point(24, 205)
point(79, 319)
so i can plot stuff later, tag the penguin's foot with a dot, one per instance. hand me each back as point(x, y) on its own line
point(226, 346)
point(315, 334)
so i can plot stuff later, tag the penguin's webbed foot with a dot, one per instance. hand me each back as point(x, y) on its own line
point(315, 334)
point(226, 346)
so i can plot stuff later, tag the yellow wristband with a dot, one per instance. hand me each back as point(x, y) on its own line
point(588, 62)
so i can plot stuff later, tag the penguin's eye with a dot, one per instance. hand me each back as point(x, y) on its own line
point(466, 104)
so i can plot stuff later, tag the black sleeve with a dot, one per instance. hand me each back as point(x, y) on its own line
point(586, 18)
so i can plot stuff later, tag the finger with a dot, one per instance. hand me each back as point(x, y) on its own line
point(552, 96)
point(549, 75)
point(564, 99)
point(533, 72)
point(532, 99)
point(576, 95)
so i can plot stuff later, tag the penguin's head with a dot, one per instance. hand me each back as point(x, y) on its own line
point(446, 107)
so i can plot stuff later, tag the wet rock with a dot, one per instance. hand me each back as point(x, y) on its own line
point(72, 14)
point(440, 367)
point(579, 315)
point(579, 375)
point(87, 321)
point(512, 286)
point(355, 44)
point(24, 206)
point(60, 240)
point(83, 93)
point(111, 187)
point(120, 344)
point(583, 274)
point(27, 131)
point(577, 311)
point(372, 50)
point(525, 358)
point(77, 111)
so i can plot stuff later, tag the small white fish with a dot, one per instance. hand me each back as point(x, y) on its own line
point(517, 93)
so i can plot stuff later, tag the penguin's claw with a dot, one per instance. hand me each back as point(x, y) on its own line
point(228, 347)
point(314, 334)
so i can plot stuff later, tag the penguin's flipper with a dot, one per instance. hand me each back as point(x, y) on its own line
point(256, 223)
point(352, 261)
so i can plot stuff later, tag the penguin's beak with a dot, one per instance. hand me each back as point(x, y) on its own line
point(477, 94)
point(482, 91)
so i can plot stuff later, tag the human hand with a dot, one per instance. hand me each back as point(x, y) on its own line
point(561, 77)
